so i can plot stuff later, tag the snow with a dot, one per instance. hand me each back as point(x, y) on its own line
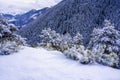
point(11, 20)
point(34, 16)
point(40, 64)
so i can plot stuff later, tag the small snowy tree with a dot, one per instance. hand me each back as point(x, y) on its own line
point(105, 45)
point(50, 39)
point(78, 40)
point(9, 40)
point(67, 42)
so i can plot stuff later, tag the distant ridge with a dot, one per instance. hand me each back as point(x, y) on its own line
point(21, 20)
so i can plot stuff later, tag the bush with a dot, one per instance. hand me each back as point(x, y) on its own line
point(9, 40)
point(87, 57)
point(73, 53)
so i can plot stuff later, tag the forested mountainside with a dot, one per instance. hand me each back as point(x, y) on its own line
point(74, 16)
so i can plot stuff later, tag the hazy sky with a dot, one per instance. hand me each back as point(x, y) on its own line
point(21, 6)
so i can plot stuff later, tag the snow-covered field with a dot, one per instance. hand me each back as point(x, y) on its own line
point(40, 64)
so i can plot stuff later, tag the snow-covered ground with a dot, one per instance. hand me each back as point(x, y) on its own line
point(40, 64)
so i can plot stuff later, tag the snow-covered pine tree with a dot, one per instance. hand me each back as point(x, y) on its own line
point(67, 42)
point(105, 45)
point(78, 39)
point(50, 39)
point(9, 40)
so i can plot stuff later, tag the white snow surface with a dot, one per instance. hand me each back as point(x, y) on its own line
point(40, 64)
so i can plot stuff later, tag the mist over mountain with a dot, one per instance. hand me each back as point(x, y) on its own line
point(74, 16)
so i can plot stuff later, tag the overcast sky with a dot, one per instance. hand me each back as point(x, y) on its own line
point(21, 6)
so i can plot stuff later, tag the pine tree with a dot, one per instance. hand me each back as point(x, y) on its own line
point(78, 39)
point(50, 39)
point(9, 40)
point(105, 45)
point(67, 41)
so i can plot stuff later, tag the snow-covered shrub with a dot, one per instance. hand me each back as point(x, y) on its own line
point(74, 52)
point(78, 51)
point(9, 40)
point(8, 48)
point(85, 60)
point(53, 40)
point(87, 57)
point(105, 45)
point(50, 39)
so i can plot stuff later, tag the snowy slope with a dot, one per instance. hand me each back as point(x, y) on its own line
point(39, 64)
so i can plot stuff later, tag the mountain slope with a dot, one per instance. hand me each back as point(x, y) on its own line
point(74, 16)
point(21, 20)
point(40, 64)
